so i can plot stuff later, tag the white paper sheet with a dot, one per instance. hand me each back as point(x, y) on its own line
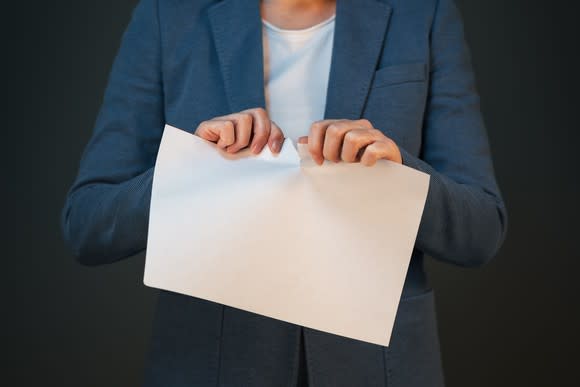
point(326, 247)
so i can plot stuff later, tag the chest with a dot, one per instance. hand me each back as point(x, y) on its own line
point(198, 84)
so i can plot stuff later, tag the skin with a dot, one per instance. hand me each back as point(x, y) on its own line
point(349, 141)
point(296, 14)
point(334, 140)
point(249, 128)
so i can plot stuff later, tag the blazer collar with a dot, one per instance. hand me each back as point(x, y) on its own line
point(360, 28)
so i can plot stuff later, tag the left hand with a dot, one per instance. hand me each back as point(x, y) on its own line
point(350, 141)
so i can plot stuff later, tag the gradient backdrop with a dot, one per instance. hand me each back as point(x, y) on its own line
point(514, 322)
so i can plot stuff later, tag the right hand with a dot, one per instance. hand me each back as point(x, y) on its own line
point(249, 128)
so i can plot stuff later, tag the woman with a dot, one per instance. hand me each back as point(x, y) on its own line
point(358, 80)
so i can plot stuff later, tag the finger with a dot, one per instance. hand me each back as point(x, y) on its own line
point(227, 134)
point(276, 138)
point(375, 151)
point(219, 131)
point(354, 142)
point(334, 137)
point(243, 129)
point(394, 151)
point(303, 140)
point(364, 123)
point(205, 131)
point(316, 140)
point(260, 129)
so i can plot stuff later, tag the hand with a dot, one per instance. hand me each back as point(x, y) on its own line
point(350, 141)
point(236, 131)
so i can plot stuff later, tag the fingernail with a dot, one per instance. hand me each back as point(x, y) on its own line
point(276, 146)
point(255, 149)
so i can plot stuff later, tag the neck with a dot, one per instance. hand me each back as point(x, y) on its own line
point(297, 3)
point(296, 14)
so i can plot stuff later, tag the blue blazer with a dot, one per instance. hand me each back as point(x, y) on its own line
point(402, 64)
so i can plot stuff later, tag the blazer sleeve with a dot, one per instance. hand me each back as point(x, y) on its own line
point(464, 221)
point(106, 210)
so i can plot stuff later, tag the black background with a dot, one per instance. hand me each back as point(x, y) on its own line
point(514, 322)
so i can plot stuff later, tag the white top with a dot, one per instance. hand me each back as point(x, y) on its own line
point(296, 70)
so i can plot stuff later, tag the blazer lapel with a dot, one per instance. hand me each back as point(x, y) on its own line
point(237, 29)
point(359, 33)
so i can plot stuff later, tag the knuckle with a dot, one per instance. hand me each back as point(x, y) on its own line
point(377, 132)
point(228, 125)
point(387, 143)
point(318, 123)
point(333, 129)
point(205, 124)
point(351, 137)
point(316, 126)
point(246, 117)
point(260, 111)
point(365, 123)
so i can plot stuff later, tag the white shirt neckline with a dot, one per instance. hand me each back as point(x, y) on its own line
point(299, 34)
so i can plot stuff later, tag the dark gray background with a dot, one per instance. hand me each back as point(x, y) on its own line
point(512, 323)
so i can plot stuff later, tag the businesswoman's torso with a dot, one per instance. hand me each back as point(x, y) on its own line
point(401, 64)
point(212, 65)
point(215, 63)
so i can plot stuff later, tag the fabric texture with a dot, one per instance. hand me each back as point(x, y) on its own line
point(402, 64)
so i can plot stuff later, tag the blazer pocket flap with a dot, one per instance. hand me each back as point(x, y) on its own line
point(400, 73)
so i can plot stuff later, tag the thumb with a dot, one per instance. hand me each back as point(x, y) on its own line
point(303, 140)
